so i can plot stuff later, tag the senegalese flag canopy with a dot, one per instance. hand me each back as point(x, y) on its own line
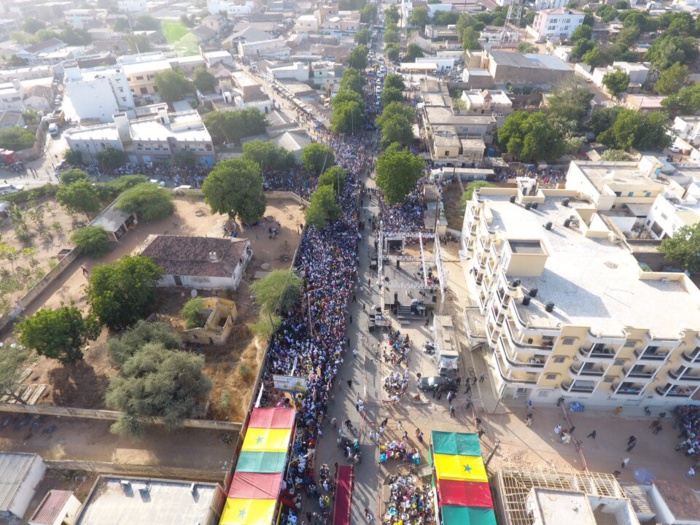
point(252, 498)
point(464, 495)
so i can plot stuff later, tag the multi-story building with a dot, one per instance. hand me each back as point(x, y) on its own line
point(154, 135)
point(487, 101)
point(275, 48)
point(557, 23)
point(568, 310)
point(97, 93)
point(141, 76)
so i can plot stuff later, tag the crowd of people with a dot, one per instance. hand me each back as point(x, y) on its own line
point(687, 421)
point(409, 504)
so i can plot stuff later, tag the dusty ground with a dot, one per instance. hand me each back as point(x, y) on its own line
point(49, 227)
point(83, 385)
point(451, 195)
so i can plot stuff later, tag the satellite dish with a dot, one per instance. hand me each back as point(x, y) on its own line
point(193, 293)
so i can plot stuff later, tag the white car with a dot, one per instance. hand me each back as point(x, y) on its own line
point(6, 189)
point(674, 149)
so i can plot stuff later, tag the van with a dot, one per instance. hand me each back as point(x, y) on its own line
point(53, 129)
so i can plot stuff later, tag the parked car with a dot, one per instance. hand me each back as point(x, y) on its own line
point(446, 384)
point(6, 189)
point(674, 149)
point(53, 129)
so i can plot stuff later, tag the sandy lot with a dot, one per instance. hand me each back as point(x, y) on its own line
point(83, 384)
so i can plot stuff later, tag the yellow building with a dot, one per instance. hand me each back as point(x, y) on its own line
point(569, 311)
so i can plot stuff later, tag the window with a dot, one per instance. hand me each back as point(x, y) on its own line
point(550, 377)
point(619, 362)
point(630, 194)
point(559, 359)
point(568, 341)
point(647, 194)
point(207, 147)
point(155, 88)
point(664, 216)
point(543, 393)
point(618, 194)
point(144, 91)
point(139, 78)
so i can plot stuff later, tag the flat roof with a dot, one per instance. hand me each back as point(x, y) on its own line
point(147, 502)
point(680, 498)
point(528, 60)
point(592, 282)
point(602, 174)
point(154, 66)
point(558, 507)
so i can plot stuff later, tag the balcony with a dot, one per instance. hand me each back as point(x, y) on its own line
point(692, 357)
point(639, 372)
point(579, 387)
point(650, 353)
point(520, 364)
point(675, 391)
point(579, 369)
point(628, 389)
point(530, 347)
point(682, 375)
point(507, 375)
point(597, 353)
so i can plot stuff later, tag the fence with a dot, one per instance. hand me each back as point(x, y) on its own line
point(111, 415)
point(149, 471)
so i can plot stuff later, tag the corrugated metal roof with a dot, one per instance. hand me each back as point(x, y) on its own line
point(53, 503)
point(14, 468)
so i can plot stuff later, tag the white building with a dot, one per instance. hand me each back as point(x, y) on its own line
point(550, 4)
point(668, 214)
point(442, 63)
point(487, 101)
point(97, 93)
point(154, 135)
point(19, 476)
point(229, 7)
point(275, 48)
point(638, 72)
point(59, 507)
point(297, 71)
point(306, 24)
point(199, 262)
point(556, 23)
point(11, 96)
point(688, 128)
point(133, 6)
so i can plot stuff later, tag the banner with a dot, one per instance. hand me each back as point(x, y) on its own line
point(289, 383)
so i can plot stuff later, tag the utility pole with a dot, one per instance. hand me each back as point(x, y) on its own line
point(495, 448)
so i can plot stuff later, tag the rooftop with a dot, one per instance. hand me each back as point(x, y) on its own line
point(606, 174)
point(50, 507)
point(557, 507)
point(153, 66)
point(680, 498)
point(592, 282)
point(111, 219)
point(147, 502)
point(195, 256)
point(14, 468)
point(529, 60)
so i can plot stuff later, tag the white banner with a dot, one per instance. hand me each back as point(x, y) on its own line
point(289, 383)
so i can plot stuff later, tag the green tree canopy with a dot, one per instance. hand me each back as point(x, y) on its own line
point(398, 172)
point(16, 138)
point(172, 85)
point(323, 208)
point(157, 382)
point(204, 81)
point(111, 159)
point(91, 240)
point(581, 47)
point(142, 333)
point(58, 334)
point(420, 17)
point(633, 129)
point(391, 15)
point(185, 159)
point(685, 102)
point(352, 81)
point(616, 82)
point(146, 23)
point(391, 36)
point(396, 109)
point(526, 47)
point(470, 39)
point(363, 36)
point(607, 13)
point(683, 248)
point(149, 201)
point(368, 13)
point(32, 25)
point(530, 137)
point(413, 51)
point(72, 176)
point(334, 177)
point(603, 118)
point(358, 57)
point(235, 187)
point(268, 155)
point(615, 155)
point(390, 95)
point(138, 43)
point(79, 197)
point(570, 100)
point(445, 18)
point(348, 117)
point(317, 157)
point(278, 291)
point(194, 313)
point(582, 32)
point(123, 292)
point(396, 130)
point(232, 126)
point(673, 79)
point(668, 50)
point(392, 52)
point(394, 80)
point(597, 57)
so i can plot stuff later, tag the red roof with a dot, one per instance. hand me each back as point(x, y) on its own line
point(272, 418)
point(253, 485)
point(52, 505)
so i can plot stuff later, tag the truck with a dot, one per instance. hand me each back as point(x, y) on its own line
point(446, 355)
point(8, 157)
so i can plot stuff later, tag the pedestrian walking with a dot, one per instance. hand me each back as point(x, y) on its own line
point(631, 440)
point(571, 430)
point(400, 425)
point(420, 437)
point(452, 411)
point(478, 422)
point(405, 435)
point(592, 434)
point(482, 377)
point(350, 384)
point(469, 388)
point(481, 432)
point(690, 473)
point(385, 422)
point(528, 421)
point(625, 461)
point(350, 318)
point(557, 430)
point(658, 429)
point(631, 446)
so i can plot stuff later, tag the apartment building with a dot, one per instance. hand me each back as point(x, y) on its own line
point(568, 310)
point(556, 23)
point(141, 76)
point(97, 93)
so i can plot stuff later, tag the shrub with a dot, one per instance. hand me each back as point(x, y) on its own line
point(91, 240)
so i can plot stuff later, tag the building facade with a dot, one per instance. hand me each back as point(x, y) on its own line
point(557, 23)
point(97, 93)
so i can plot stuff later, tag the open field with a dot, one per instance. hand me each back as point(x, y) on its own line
point(173, 30)
point(232, 367)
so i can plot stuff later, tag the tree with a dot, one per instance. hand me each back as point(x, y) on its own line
point(79, 197)
point(685, 102)
point(193, 312)
point(148, 201)
point(470, 39)
point(204, 81)
point(596, 57)
point(570, 101)
point(420, 17)
point(683, 248)
point(235, 187)
point(32, 25)
point(632, 129)
point(358, 57)
point(13, 363)
point(157, 382)
point(581, 47)
point(667, 50)
point(398, 171)
point(394, 81)
point(123, 292)
point(74, 36)
point(413, 51)
point(317, 157)
point(73, 175)
point(621, 5)
point(391, 15)
point(334, 177)
point(268, 156)
point(673, 79)
point(390, 95)
point(616, 82)
point(323, 208)
point(138, 336)
point(391, 36)
point(232, 126)
point(607, 13)
point(615, 155)
point(146, 23)
point(138, 43)
point(58, 334)
point(582, 32)
point(363, 36)
point(278, 291)
point(368, 13)
point(172, 85)
point(91, 240)
point(526, 47)
point(352, 80)
point(392, 52)
point(16, 138)
point(396, 130)
point(73, 158)
point(110, 159)
point(531, 137)
point(603, 118)
point(445, 18)
point(185, 159)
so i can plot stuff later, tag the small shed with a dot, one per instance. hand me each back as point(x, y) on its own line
point(58, 507)
point(115, 222)
point(19, 476)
